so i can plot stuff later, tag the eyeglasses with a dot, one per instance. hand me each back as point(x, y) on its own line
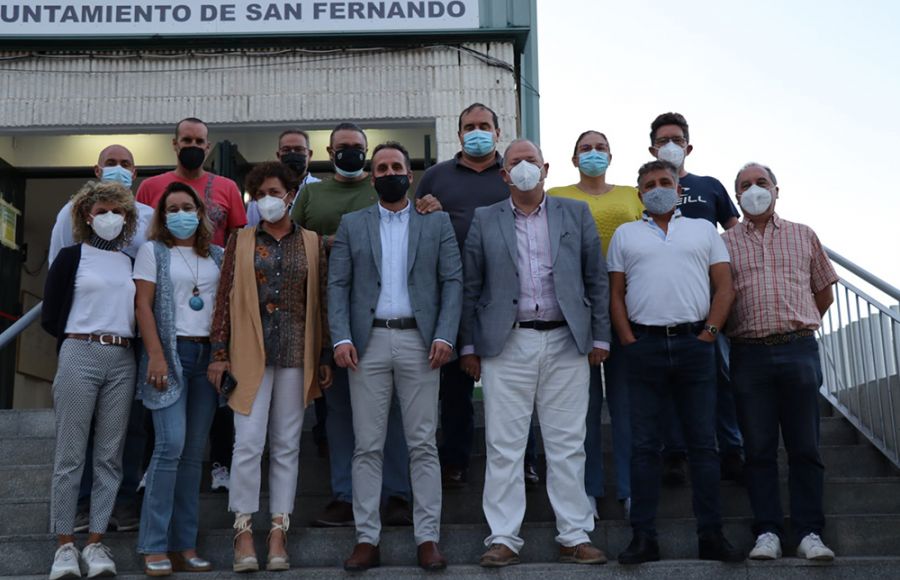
point(296, 149)
point(680, 141)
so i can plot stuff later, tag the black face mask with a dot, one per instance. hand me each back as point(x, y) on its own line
point(350, 159)
point(191, 158)
point(296, 161)
point(391, 188)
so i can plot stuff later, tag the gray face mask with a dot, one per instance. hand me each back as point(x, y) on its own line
point(660, 200)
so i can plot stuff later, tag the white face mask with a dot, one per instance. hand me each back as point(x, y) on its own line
point(525, 176)
point(271, 209)
point(108, 225)
point(672, 153)
point(756, 200)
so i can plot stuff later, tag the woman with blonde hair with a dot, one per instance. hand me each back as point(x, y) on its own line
point(270, 332)
point(89, 308)
point(176, 275)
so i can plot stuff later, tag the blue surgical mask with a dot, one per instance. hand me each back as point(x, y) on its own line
point(478, 143)
point(117, 173)
point(660, 200)
point(182, 224)
point(593, 163)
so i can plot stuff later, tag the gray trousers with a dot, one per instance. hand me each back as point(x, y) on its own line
point(92, 380)
point(395, 360)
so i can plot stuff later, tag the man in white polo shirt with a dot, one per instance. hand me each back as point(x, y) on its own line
point(668, 326)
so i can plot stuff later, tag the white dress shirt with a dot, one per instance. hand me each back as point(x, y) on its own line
point(393, 301)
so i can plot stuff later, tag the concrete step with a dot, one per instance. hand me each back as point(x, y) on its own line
point(24, 480)
point(842, 497)
point(854, 536)
point(785, 569)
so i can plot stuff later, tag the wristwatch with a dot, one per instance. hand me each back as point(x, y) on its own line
point(712, 329)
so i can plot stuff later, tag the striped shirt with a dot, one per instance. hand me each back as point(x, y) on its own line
point(776, 273)
point(537, 292)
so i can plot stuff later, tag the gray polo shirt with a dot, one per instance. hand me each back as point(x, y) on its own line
point(460, 190)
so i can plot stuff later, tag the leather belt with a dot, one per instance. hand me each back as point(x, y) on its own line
point(198, 339)
point(775, 339)
point(395, 323)
point(540, 324)
point(670, 330)
point(104, 339)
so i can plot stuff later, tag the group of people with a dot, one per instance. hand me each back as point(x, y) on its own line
point(386, 307)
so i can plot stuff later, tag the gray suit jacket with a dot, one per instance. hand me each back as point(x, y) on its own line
point(491, 293)
point(354, 277)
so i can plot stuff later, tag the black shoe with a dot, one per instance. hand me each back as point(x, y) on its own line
point(531, 475)
point(126, 517)
point(82, 518)
point(674, 469)
point(732, 466)
point(714, 546)
point(642, 549)
point(397, 512)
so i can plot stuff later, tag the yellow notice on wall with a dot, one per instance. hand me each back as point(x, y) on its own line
point(9, 215)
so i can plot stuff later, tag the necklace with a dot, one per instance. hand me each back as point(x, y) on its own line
point(196, 303)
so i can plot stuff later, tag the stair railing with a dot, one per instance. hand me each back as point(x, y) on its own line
point(20, 325)
point(859, 344)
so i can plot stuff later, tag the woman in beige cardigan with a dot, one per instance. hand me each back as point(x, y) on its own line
point(270, 332)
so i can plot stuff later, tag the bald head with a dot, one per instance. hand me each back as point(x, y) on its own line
point(116, 156)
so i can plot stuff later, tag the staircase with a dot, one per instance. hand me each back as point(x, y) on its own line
point(862, 501)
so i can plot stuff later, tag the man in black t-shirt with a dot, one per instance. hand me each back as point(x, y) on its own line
point(471, 179)
point(702, 198)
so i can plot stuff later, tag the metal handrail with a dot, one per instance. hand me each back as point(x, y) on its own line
point(859, 345)
point(20, 325)
point(865, 275)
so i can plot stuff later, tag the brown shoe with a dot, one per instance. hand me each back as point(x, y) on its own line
point(430, 557)
point(397, 512)
point(364, 556)
point(498, 556)
point(453, 477)
point(586, 553)
point(336, 514)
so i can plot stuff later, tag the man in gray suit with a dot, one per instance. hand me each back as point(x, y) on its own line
point(535, 316)
point(394, 302)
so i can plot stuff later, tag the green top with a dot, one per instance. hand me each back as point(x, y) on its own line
point(321, 205)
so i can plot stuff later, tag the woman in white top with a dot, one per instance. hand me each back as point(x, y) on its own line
point(89, 308)
point(176, 274)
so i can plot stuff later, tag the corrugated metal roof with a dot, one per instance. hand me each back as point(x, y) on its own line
point(82, 92)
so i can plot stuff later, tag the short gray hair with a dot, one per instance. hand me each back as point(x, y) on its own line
point(748, 166)
point(517, 142)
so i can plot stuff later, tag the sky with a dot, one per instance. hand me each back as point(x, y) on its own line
point(810, 88)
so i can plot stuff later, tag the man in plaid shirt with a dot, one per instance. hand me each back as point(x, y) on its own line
point(783, 285)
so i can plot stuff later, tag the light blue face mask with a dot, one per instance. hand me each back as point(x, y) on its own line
point(117, 173)
point(593, 163)
point(182, 224)
point(478, 143)
point(660, 200)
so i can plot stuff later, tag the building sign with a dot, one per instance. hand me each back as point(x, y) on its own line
point(136, 18)
point(8, 217)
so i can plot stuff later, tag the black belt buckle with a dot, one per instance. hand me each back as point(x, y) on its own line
point(673, 330)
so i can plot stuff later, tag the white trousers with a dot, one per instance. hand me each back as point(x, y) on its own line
point(542, 367)
point(396, 361)
point(278, 411)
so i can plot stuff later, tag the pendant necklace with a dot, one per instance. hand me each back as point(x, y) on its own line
point(196, 303)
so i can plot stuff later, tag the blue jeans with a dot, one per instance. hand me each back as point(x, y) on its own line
point(728, 433)
point(683, 369)
point(778, 386)
point(339, 427)
point(170, 515)
point(615, 373)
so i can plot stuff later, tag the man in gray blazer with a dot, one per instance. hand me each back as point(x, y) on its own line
point(394, 302)
point(535, 316)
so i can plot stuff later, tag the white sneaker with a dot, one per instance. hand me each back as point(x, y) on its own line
point(221, 479)
point(66, 562)
point(768, 547)
point(593, 501)
point(98, 559)
point(812, 548)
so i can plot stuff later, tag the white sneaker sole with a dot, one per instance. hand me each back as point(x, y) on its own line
point(102, 573)
point(61, 574)
point(763, 557)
